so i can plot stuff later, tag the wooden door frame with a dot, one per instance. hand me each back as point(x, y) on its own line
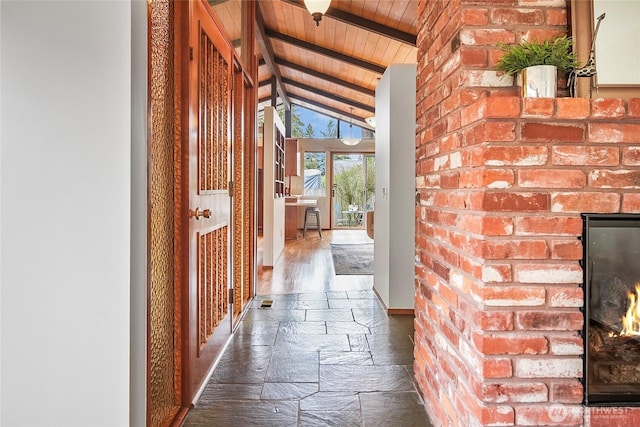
point(181, 202)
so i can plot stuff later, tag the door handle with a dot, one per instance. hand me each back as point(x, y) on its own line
point(197, 214)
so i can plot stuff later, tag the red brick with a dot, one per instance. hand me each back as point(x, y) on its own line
point(474, 111)
point(489, 178)
point(515, 202)
point(556, 17)
point(499, 132)
point(441, 270)
point(496, 273)
point(512, 296)
point(567, 250)
point(614, 132)
point(449, 143)
point(549, 225)
point(633, 107)
point(510, 16)
point(548, 367)
point(570, 391)
point(485, 225)
point(565, 297)
point(607, 108)
point(494, 56)
point(450, 180)
point(538, 107)
point(571, 155)
point(572, 108)
point(516, 155)
point(631, 156)
point(631, 203)
point(497, 226)
point(502, 107)
point(450, 333)
point(585, 202)
point(510, 344)
point(566, 346)
point(481, 413)
point(514, 392)
point(475, 16)
point(485, 37)
point(561, 273)
point(551, 178)
point(497, 368)
point(470, 95)
point(552, 132)
point(473, 57)
point(515, 249)
point(494, 320)
point(449, 294)
point(548, 321)
point(614, 178)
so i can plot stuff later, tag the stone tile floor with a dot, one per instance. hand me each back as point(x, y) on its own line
point(315, 359)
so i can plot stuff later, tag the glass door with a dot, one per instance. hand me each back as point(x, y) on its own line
point(353, 188)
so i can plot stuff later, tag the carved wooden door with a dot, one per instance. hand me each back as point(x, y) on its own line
point(208, 162)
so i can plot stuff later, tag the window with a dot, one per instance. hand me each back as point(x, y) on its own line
point(315, 177)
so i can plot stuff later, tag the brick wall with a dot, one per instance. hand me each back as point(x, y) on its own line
point(503, 181)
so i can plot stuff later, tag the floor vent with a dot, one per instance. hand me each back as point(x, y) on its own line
point(266, 303)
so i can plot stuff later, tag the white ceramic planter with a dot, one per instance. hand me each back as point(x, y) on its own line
point(539, 81)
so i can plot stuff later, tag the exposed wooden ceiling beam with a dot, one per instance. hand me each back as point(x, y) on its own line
point(267, 53)
point(365, 24)
point(323, 76)
point(329, 95)
point(326, 52)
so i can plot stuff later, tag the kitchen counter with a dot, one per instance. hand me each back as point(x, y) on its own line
point(291, 215)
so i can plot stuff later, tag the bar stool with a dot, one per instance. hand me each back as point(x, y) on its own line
point(312, 211)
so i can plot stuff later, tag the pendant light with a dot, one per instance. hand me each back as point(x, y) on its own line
point(350, 140)
point(317, 8)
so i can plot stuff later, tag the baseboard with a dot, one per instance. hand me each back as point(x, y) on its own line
point(400, 312)
point(394, 311)
point(180, 417)
point(375, 291)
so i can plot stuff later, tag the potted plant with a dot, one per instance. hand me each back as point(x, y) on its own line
point(536, 64)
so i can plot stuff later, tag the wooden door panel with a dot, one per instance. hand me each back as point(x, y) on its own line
point(213, 300)
point(209, 142)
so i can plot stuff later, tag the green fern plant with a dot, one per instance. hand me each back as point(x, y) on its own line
point(556, 52)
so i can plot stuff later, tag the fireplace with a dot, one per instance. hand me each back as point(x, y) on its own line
point(611, 265)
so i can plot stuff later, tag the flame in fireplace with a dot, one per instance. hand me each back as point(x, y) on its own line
point(631, 320)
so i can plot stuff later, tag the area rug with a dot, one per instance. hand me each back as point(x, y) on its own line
point(352, 258)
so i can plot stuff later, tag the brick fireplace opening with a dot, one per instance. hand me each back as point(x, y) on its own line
point(611, 265)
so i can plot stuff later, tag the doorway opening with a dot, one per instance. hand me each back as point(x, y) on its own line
point(353, 178)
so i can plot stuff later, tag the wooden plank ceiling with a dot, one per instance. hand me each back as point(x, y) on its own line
point(332, 68)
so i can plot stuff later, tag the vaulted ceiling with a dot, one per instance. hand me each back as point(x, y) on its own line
point(334, 67)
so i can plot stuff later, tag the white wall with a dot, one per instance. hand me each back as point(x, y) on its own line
point(620, 29)
point(139, 113)
point(65, 188)
point(394, 249)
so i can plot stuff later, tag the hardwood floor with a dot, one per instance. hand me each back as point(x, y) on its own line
point(306, 265)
